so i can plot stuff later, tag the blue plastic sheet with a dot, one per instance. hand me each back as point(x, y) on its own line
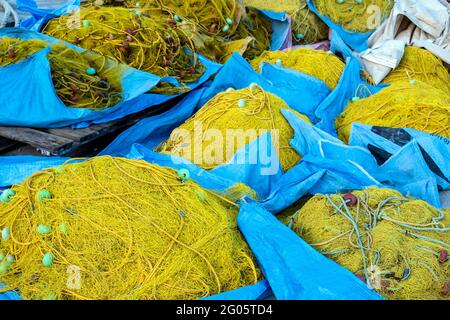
point(386, 142)
point(294, 269)
point(349, 86)
point(357, 41)
point(281, 30)
point(258, 291)
point(9, 295)
point(41, 15)
point(329, 166)
point(15, 169)
point(29, 97)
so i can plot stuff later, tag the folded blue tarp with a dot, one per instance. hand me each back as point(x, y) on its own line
point(295, 270)
point(328, 166)
point(40, 15)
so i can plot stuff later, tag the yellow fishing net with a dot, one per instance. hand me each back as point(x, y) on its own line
point(85, 80)
point(14, 50)
point(420, 64)
point(275, 6)
point(414, 105)
point(356, 15)
point(81, 79)
point(217, 27)
point(317, 63)
point(255, 26)
point(112, 228)
point(399, 245)
point(307, 28)
point(230, 121)
point(146, 42)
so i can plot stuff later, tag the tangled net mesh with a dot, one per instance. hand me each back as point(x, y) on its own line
point(420, 64)
point(132, 230)
point(240, 116)
point(218, 27)
point(307, 28)
point(276, 6)
point(214, 17)
point(14, 50)
point(317, 63)
point(356, 15)
point(402, 105)
point(145, 42)
point(397, 244)
point(81, 79)
point(79, 89)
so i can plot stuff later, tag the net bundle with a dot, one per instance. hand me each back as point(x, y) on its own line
point(398, 245)
point(356, 15)
point(218, 27)
point(236, 118)
point(113, 228)
point(148, 42)
point(420, 64)
point(402, 105)
point(81, 79)
point(14, 50)
point(307, 28)
point(317, 63)
point(214, 17)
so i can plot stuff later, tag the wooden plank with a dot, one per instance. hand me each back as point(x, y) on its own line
point(38, 139)
point(7, 144)
point(62, 141)
point(76, 135)
point(96, 131)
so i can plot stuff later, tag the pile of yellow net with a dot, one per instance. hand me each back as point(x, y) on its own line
point(216, 28)
point(254, 27)
point(14, 50)
point(146, 42)
point(112, 228)
point(415, 105)
point(420, 64)
point(307, 28)
point(85, 80)
point(81, 80)
point(214, 17)
point(230, 121)
point(398, 245)
point(356, 15)
point(317, 63)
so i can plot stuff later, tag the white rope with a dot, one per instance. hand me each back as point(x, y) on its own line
point(9, 11)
